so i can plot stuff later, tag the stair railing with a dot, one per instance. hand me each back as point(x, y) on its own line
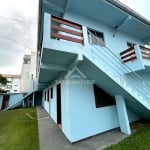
point(146, 87)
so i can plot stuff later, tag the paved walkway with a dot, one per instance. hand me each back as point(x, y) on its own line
point(51, 137)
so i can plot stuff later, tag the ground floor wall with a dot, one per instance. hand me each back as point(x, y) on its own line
point(83, 118)
point(49, 101)
point(14, 98)
point(79, 116)
point(7, 100)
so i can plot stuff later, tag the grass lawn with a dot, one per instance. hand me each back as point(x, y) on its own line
point(19, 130)
point(140, 140)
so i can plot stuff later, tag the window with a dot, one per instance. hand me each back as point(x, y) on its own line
point(48, 95)
point(45, 95)
point(9, 86)
point(102, 99)
point(27, 61)
point(95, 37)
point(130, 44)
point(51, 92)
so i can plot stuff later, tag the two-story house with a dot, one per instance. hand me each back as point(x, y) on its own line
point(93, 67)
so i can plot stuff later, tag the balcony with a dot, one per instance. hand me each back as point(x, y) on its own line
point(61, 34)
point(63, 42)
point(136, 58)
point(145, 53)
point(65, 30)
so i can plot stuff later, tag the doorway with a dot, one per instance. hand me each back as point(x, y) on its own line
point(5, 101)
point(59, 105)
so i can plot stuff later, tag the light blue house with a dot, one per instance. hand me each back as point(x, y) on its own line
point(93, 67)
point(10, 100)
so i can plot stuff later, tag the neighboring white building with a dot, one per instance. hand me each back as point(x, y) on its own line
point(13, 86)
point(28, 72)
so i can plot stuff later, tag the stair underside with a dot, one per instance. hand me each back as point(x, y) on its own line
point(92, 72)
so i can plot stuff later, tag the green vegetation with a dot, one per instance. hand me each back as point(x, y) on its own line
point(3, 80)
point(140, 140)
point(19, 130)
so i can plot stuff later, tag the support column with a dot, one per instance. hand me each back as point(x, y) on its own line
point(23, 104)
point(85, 35)
point(33, 100)
point(28, 101)
point(122, 114)
point(139, 55)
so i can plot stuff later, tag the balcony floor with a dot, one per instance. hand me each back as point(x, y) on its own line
point(53, 63)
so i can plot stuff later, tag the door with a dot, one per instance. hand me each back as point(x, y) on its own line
point(5, 101)
point(59, 105)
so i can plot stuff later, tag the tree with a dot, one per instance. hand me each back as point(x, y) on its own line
point(3, 80)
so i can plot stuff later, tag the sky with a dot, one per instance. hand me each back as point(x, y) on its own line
point(18, 38)
point(141, 6)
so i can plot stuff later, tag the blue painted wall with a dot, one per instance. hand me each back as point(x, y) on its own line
point(46, 106)
point(66, 108)
point(1, 98)
point(117, 43)
point(80, 117)
point(46, 103)
point(53, 105)
point(14, 98)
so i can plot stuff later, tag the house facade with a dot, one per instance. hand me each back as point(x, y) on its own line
point(13, 85)
point(92, 66)
point(12, 100)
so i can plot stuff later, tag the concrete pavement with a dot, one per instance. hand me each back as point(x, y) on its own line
point(51, 137)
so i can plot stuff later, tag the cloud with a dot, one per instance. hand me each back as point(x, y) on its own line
point(141, 6)
point(20, 37)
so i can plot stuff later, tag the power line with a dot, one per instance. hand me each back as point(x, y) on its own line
point(12, 19)
point(16, 42)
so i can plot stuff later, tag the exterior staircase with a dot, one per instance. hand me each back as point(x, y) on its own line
point(135, 88)
point(20, 102)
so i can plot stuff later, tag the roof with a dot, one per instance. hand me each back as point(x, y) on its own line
point(116, 14)
point(130, 11)
point(11, 76)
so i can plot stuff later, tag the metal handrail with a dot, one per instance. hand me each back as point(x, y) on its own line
point(133, 73)
point(114, 68)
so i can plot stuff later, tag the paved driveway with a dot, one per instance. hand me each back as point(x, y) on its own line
point(51, 137)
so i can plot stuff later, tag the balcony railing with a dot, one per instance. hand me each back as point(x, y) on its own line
point(128, 55)
point(145, 52)
point(66, 30)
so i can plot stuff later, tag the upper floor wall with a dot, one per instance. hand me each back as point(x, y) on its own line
point(85, 33)
point(118, 24)
point(115, 26)
point(114, 40)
